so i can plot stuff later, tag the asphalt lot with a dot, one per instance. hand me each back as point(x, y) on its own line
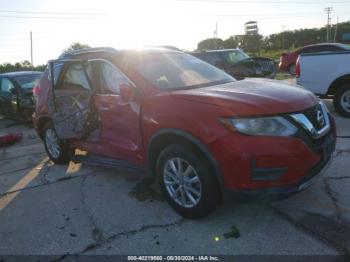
point(47, 209)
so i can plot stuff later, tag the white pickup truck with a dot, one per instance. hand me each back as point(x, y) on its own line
point(327, 75)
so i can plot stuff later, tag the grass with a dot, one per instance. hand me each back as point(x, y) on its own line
point(275, 55)
point(283, 76)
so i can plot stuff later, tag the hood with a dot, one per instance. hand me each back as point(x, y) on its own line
point(253, 97)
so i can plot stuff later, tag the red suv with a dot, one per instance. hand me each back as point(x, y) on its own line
point(288, 60)
point(194, 127)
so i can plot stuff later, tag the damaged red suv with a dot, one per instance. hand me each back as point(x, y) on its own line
point(195, 128)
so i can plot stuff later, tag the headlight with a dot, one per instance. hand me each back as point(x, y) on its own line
point(262, 126)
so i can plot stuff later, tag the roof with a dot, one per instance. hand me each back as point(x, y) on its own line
point(20, 73)
point(87, 51)
point(111, 50)
point(322, 44)
point(217, 50)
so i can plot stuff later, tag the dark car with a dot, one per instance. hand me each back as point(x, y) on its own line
point(16, 93)
point(238, 64)
point(288, 60)
point(196, 129)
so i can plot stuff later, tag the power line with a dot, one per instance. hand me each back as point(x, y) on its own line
point(51, 13)
point(51, 17)
point(265, 2)
point(268, 15)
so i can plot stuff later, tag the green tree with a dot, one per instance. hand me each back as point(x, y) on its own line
point(286, 40)
point(75, 46)
point(210, 44)
point(20, 66)
point(231, 42)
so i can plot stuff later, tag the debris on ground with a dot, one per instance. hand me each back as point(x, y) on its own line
point(145, 190)
point(10, 138)
point(233, 233)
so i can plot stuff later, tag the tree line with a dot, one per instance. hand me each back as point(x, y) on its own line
point(20, 66)
point(286, 40)
point(27, 66)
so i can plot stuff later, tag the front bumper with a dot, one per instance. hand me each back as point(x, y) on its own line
point(303, 184)
point(274, 165)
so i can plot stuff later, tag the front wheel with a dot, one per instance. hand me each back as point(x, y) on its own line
point(341, 100)
point(56, 149)
point(187, 181)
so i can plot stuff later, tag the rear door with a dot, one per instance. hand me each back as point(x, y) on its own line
point(72, 95)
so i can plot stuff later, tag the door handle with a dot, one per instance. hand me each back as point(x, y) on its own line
point(104, 108)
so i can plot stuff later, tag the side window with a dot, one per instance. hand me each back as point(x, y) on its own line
point(332, 48)
point(57, 68)
point(110, 78)
point(75, 76)
point(213, 58)
point(6, 85)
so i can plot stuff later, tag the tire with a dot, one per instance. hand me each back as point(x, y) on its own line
point(60, 154)
point(291, 69)
point(341, 100)
point(200, 179)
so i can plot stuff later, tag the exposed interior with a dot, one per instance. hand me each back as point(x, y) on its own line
point(74, 113)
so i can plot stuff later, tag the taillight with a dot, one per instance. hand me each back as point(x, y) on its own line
point(36, 91)
point(297, 69)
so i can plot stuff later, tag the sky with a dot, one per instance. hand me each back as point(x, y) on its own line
point(55, 24)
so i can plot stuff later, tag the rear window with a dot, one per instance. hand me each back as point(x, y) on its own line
point(179, 70)
point(27, 81)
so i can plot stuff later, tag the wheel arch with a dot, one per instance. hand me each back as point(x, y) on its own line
point(41, 124)
point(338, 82)
point(166, 137)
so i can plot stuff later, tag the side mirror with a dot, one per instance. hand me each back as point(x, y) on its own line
point(126, 91)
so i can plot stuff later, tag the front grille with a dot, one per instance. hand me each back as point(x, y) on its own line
point(316, 117)
point(315, 121)
point(267, 65)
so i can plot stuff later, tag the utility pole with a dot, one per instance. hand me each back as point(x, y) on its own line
point(283, 36)
point(216, 35)
point(328, 10)
point(336, 29)
point(31, 48)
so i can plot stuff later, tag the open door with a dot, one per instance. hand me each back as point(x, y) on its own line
point(72, 94)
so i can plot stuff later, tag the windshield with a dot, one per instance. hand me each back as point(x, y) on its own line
point(345, 47)
point(179, 70)
point(27, 81)
point(235, 56)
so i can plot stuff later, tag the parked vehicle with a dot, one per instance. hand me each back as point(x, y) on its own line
point(16, 94)
point(288, 60)
point(238, 64)
point(191, 125)
point(327, 75)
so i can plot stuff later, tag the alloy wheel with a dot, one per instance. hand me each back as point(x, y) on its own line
point(52, 143)
point(345, 101)
point(182, 182)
